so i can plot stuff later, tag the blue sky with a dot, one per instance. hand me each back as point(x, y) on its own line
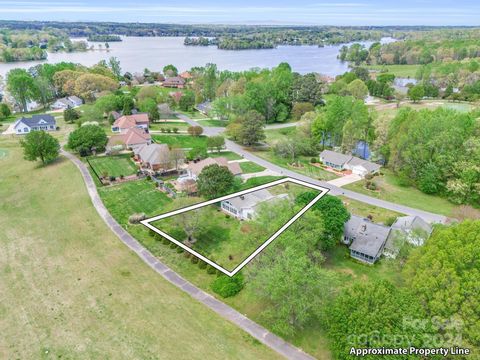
point(329, 12)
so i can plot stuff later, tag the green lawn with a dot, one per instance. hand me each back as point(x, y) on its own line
point(378, 215)
point(183, 141)
point(72, 290)
point(249, 167)
point(114, 165)
point(259, 180)
point(169, 125)
point(213, 123)
point(193, 114)
point(391, 189)
point(351, 270)
point(403, 71)
point(225, 238)
point(134, 197)
point(305, 167)
point(274, 135)
point(229, 155)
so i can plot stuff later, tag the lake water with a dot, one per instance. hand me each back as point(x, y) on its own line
point(138, 53)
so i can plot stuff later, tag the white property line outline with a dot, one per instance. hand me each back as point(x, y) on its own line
point(147, 222)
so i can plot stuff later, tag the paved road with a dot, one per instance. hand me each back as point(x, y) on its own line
point(334, 190)
point(260, 333)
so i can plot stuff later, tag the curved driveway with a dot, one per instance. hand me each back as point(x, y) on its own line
point(260, 333)
point(334, 190)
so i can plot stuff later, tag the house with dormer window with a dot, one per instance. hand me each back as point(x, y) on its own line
point(44, 122)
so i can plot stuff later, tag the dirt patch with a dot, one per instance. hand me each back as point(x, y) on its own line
point(246, 228)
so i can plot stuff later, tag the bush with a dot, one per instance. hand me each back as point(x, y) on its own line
point(112, 178)
point(202, 264)
point(175, 130)
point(136, 218)
point(166, 241)
point(313, 160)
point(369, 177)
point(173, 245)
point(370, 185)
point(169, 130)
point(226, 286)
point(211, 270)
point(162, 130)
point(121, 176)
point(194, 259)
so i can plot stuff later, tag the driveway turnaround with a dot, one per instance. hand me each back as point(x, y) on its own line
point(260, 333)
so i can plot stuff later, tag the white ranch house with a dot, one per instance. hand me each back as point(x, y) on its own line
point(36, 122)
point(341, 162)
point(244, 207)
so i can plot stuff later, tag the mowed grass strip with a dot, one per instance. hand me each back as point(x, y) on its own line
point(71, 289)
point(113, 165)
point(213, 123)
point(183, 141)
point(249, 167)
point(377, 214)
point(229, 155)
point(133, 197)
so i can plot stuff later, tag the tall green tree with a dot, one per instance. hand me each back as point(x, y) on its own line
point(215, 181)
point(444, 274)
point(86, 138)
point(373, 315)
point(40, 145)
point(21, 85)
point(248, 129)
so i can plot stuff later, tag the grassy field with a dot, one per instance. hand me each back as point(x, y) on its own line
point(391, 189)
point(183, 141)
point(229, 155)
point(305, 167)
point(378, 215)
point(113, 165)
point(249, 167)
point(169, 125)
point(71, 289)
point(403, 71)
point(213, 123)
point(274, 135)
point(350, 270)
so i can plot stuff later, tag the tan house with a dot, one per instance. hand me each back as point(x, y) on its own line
point(130, 139)
point(154, 157)
point(195, 168)
point(126, 122)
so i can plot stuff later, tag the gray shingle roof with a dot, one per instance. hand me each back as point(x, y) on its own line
point(369, 237)
point(411, 223)
point(335, 157)
point(251, 199)
point(35, 120)
point(340, 159)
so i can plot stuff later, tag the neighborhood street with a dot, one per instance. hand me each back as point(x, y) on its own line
point(334, 190)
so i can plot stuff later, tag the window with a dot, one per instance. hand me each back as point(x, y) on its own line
point(24, 130)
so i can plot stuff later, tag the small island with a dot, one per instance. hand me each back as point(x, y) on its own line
point(104, 38)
